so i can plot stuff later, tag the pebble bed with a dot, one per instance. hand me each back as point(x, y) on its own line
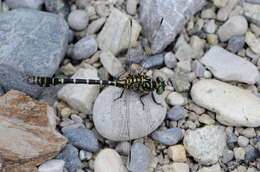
point(209, 50)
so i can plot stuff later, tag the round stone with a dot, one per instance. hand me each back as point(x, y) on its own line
point(127, 118)
point(78, 20)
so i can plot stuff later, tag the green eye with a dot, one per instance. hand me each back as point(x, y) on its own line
point(160, 90)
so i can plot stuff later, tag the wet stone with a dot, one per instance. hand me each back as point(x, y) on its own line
point(70, 155)
point(140, 159)
point(82, 138)
point(60, 7)
point(36, 4)
point(168, 137)
point(84, 48)
point(176, 113)
point(236, 43)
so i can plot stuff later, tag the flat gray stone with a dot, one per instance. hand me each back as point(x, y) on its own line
point(234, 106)
point(205, 145)
point(229, 67)
point(126, 118)
point(33, 42)
point(162, 20)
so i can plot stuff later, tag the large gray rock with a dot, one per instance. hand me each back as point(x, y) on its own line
point(126, 118)
point(234, 106)
point(33, 42)
point(229, 67)
point(162, 20)
point(206, 144)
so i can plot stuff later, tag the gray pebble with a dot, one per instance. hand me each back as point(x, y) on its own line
point(153, 61)
point(176, 113)
point(96, 25)
point(231, 140)
point(83, 4)
point(76, 118)
point(71, 36)
point(168, 137)
point(131, 6)
point(60, 7)
point(251, 155)
point(170, 60)
point(70, 155)
point(73, 126)
point(242, 141)
point(82, 138)
point(236, 43)
point(180, 82)
point(84, 48)
point(140, 158)
point(227, 155)
point(35, 4)
point(84, 155)
point(123, 148)
point(198, 68)
point(53, 165)
point(78, 20)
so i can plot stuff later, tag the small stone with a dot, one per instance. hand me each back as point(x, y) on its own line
point(180, 82)
point(242, 141)
point(84, 48)
point(37, 4)
point(198, 69)
point(176, 167)
point(78, 20)
point(81, 97)
point(220, 3)
point(109, 160)
point(170, 60)
point(177, 153)
point(53, 165)
point(236, 43)
point(131, 6)
point(60, 7)
point(176, 113)
point(251, 155)
point(76, 118)
point(111, 63)
point(66, 112)
point(253, 42)
point(197, 45)
point(248, 132)
point(184, 51)
point(210, 26)
point(175, 98)
point(236, 25)
point(206, 119)
point(102, 10)
point(212, 39)
point(223, 65)
point(251, 12)
point(206, 144)
point(117, 32)
point(82, 4)
point(153, 61)
point(239, 153)
point(84, 155)
point(140, 159)
point(255, 29)
point(218, 97)
point(231, 140)
point(123, 148)
point(224, 13)
point(168, 137)
point(184, 66)
point(208, 14)
point(95, 25)
point(70, 155)
point(227, 156)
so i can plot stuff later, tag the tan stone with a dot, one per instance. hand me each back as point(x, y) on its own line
point(177, 153)
point(27, 130)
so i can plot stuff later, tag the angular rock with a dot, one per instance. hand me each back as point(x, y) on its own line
point(140, 159)
point(252, 12)
point(36, 4)
point(234, 106)
point(84, 48)
point(82, 138)
point(229, 67)
point(110, 161)
point(81, 96)
point(117, 33)
point(177, 153)
point(111, 63)
point(27, 129)
point(162, 20)
point(126, 118)
point(70, 155)
point(206, 144)
point(30, 46)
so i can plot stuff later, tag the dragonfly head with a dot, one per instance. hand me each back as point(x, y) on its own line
point(160, 85)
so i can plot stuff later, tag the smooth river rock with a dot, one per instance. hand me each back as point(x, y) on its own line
point(126, 118)
point(234, 106)
point(229, 67)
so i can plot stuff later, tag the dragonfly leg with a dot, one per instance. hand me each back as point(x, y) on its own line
point(121, 95)
point(154, 100)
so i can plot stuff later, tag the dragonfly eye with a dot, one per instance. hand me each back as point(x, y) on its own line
point(160, 90)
